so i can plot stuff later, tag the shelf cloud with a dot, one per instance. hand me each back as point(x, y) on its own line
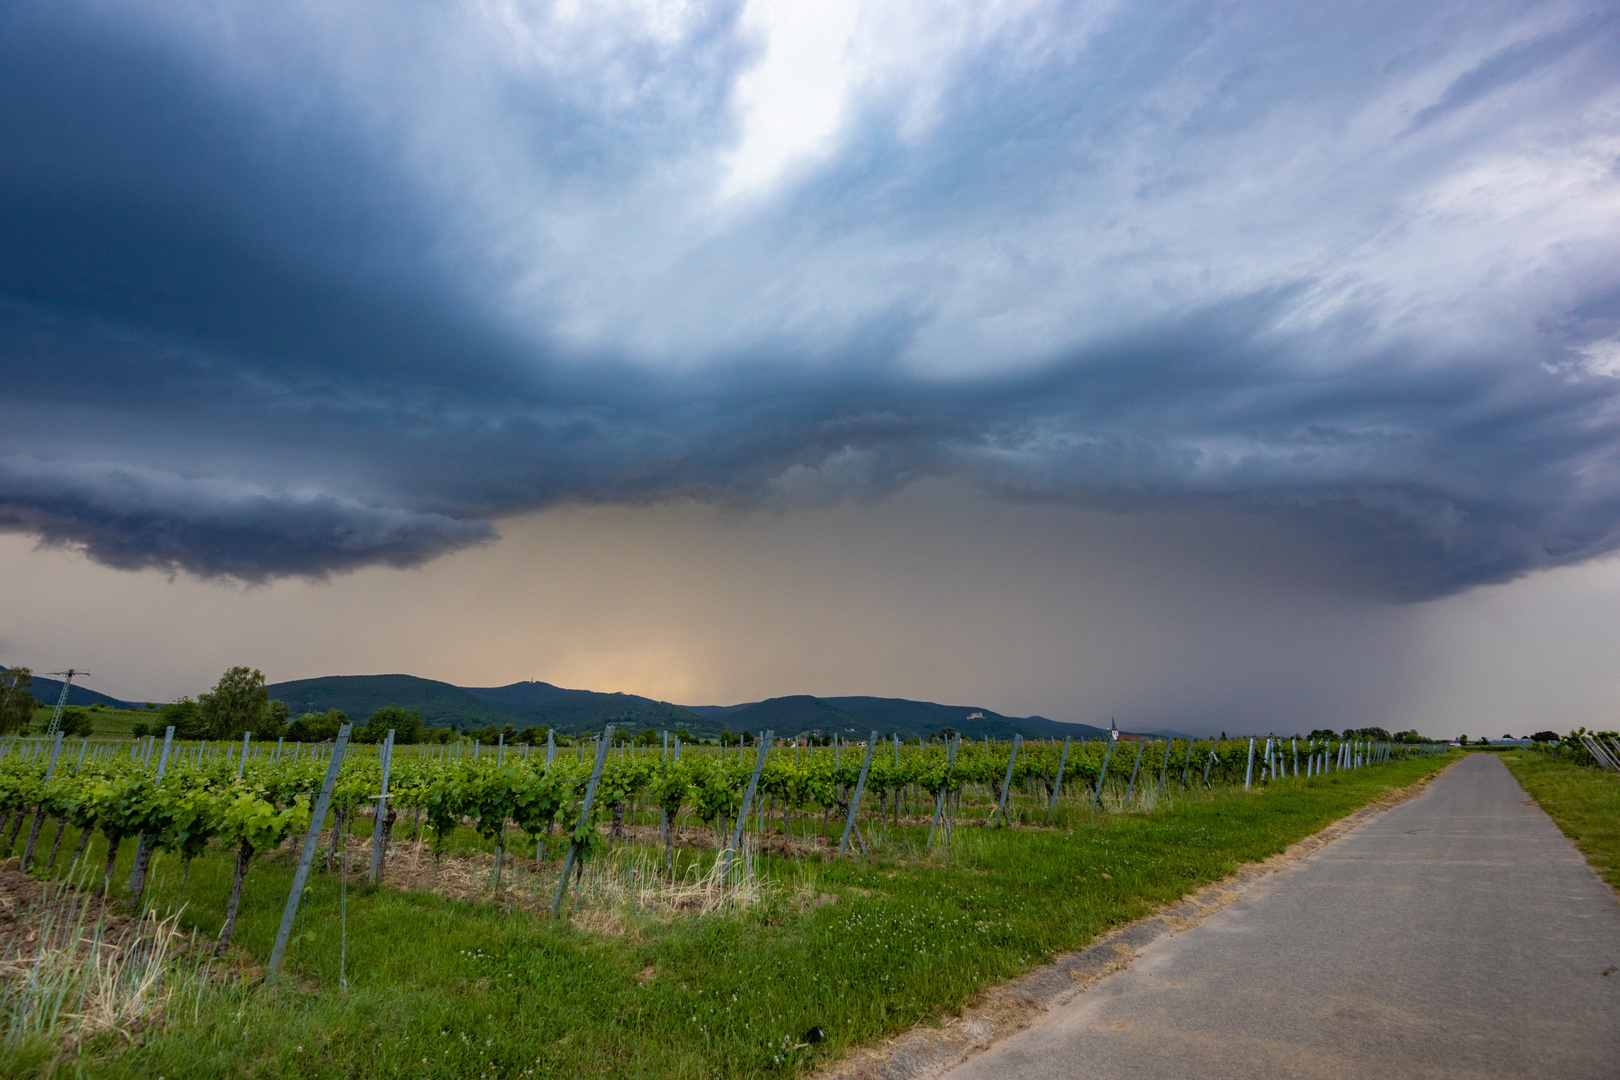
point(292, 289)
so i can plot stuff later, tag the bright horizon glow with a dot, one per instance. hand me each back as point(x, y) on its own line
point(731, 608)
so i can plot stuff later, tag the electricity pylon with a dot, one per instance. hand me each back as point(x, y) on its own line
point(67, 683)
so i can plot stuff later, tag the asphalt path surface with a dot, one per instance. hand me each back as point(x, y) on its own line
point(1459, 934)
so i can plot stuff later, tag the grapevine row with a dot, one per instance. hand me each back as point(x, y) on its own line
point(252, 799)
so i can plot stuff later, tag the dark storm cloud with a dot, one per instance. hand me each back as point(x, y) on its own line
point(293, 295)
point(134, 520)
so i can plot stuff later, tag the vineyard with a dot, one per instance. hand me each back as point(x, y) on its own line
point(663, 831)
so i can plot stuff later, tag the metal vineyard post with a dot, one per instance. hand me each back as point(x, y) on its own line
point(584, 818)
point(748, 797)
point(1006, 785)
point(1102, 773)
point(855, 800)
point(311, 838)
point(1164, 771)
point(39, 813)
point(1057, 785)
point(1130, 787)
point(382, 810)
point(939, 803)
point(140, 844)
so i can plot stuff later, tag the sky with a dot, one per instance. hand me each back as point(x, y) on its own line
point(1239, 366)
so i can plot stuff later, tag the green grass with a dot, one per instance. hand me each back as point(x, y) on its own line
point(1584, 802)
point(445, 989)
point(104, 722)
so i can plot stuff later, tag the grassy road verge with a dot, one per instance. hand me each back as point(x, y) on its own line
point(1584, 802)
point(439, 988)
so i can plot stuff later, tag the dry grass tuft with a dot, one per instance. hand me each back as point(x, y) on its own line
point(604, 898)
point(72, 967)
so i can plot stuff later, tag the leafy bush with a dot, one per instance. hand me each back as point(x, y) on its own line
point(75, 723)
point(184, 715)
point(489, 734)
point(406, 724)
point(316, 727)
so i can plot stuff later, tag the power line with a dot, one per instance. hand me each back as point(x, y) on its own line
point(119, 691)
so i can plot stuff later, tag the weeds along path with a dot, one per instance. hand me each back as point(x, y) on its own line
point(706, 930)
point(1583, 799)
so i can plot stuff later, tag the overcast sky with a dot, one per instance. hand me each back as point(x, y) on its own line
point(1244, 365)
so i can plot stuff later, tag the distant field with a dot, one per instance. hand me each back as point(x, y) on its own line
point(105, 721)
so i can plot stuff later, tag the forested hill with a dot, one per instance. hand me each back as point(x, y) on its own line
point(440, 703)
point(520, 705)
point(858, 716)
point(542, 704)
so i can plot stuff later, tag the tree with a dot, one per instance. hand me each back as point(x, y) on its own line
point(237, 703)
point(17, 702)
point(1545, 736)
point(406, 724)
point(183, 714)
point(275, 720)
point(489, 734)
point(317, 727)
point(76, 723)
point(1370, 734)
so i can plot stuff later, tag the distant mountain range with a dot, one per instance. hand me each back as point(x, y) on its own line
point(540, 704)
point(859, 715)
point(523, 704)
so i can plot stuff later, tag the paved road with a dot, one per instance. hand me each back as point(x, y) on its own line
point(1457, 935)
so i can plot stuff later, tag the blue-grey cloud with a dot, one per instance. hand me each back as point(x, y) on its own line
point(1502, 69)
point(135, 519)
point(294, 291)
